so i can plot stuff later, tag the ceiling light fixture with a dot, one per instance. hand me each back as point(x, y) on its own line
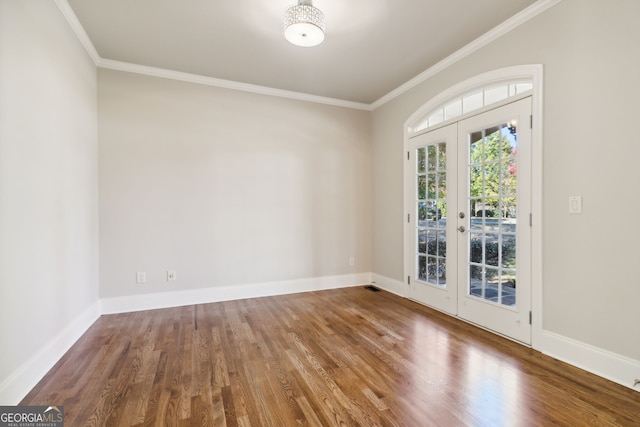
point(304, 24)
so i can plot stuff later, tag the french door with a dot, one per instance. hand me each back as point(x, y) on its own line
point(432, 233)
point(468, 231)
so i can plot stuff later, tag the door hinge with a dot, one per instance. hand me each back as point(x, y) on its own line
point(408, 217)
point(530, 220)
point(531, 121)
point(408, 155)
point(530, 318)
point(408, 280)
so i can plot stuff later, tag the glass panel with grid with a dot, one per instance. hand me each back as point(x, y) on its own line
point(431, 209)
point(492, 171)
point(471, 102)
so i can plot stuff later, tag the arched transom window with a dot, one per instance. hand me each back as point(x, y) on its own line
point(469, 102)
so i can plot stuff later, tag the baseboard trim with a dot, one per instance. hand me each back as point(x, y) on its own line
point(16, 386)
point(614, 367)
point(391, 285)
point(227, 293)
point(606, 364)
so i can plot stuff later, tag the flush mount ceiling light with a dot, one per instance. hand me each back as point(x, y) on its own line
point(304, 24)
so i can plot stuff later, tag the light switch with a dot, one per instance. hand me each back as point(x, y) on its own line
point(575, 204)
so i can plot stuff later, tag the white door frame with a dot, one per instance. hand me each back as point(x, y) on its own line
point(534, 74)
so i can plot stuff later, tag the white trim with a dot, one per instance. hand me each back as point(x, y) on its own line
point(502, 29)
point(463, 116)
point(227, 293)
point(479, 111)
point(604, 363)
point(497, 32)
point(16, 386)
point(26, 376)
point(391, 285)
point(537, 201)
point(226, 84)
point(84, 39)
point(78, 29)
point(533, 73)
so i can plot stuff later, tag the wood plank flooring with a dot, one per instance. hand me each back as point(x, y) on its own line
point(343, 357)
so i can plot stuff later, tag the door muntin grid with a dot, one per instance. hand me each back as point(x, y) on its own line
point(431, 214)
point(492, 203)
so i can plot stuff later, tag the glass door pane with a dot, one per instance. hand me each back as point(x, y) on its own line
point(431, 208)
point(494, 234)
point(492, 172)
point(430, 234)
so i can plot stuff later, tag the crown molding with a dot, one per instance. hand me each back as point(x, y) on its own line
point(493, 34)
point(78, 29)
point(226, 84)
point(520, 18)
point(82, 36)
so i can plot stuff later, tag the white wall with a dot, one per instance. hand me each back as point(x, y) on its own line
point(227, 188)
point(48, 192)
point(591, 90)
point(230, 188)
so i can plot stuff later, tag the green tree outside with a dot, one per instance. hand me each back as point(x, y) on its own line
point(493, 173)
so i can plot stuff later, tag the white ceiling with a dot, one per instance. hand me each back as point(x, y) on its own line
point(371, 46)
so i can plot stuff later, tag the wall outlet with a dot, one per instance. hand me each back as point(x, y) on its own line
point(352, 261)
point(141, 277)
point(171, 275)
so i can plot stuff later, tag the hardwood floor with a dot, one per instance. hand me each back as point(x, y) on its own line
point(342, 357)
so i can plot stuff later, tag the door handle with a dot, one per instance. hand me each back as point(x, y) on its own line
point(462, 229)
